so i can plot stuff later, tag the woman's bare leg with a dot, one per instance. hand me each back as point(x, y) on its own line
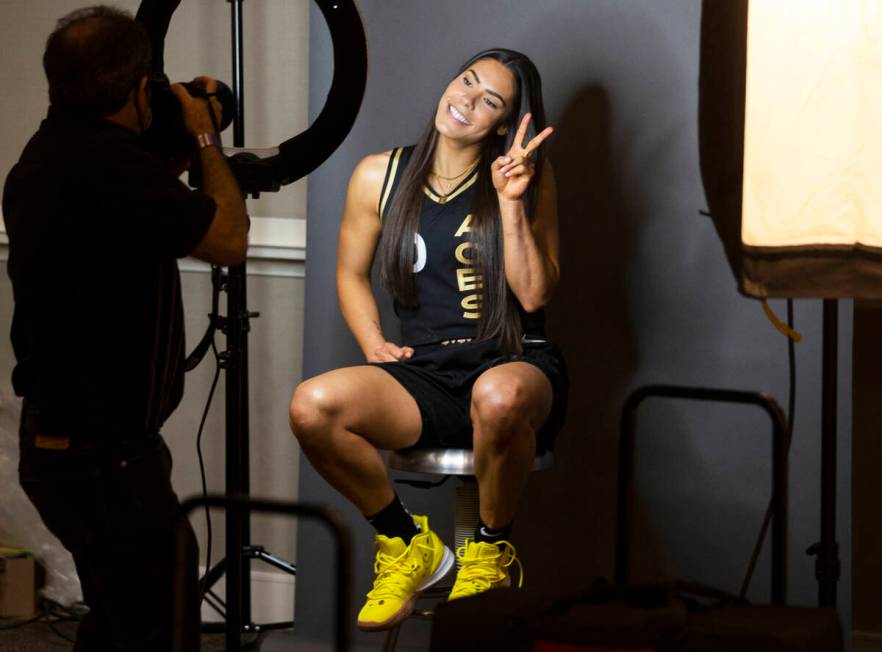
point(342, 417)
point(510, 403)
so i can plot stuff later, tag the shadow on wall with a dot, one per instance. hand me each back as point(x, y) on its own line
point(565, 528)
point(590, 319)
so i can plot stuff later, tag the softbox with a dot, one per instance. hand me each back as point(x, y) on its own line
point(790, 136)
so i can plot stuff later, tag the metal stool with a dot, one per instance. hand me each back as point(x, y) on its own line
point(447, 462)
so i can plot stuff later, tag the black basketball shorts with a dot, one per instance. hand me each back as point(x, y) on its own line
point(440, 378)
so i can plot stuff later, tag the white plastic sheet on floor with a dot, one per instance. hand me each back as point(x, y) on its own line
point(20, 524)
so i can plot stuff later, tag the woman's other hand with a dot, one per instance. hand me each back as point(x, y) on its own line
point(390, 352)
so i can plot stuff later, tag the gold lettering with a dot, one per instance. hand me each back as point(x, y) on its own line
point(461, 253)
point(471, 304)
point(467, 279)
point(465, 227)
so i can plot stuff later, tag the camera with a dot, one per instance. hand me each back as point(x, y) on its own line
point(167, 137)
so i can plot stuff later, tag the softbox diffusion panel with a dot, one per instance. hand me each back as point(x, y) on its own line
point(791, 143)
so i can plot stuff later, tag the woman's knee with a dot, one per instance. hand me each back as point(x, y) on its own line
point(500, 406)
point(312, 412)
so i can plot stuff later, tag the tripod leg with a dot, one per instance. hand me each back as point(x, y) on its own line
point(213, 575)
point(281, 564)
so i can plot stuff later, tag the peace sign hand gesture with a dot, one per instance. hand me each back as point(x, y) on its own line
point(512, 173)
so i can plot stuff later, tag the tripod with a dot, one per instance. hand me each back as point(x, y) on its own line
point(239, 551)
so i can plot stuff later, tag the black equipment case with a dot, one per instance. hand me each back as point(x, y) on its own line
point(632, 618)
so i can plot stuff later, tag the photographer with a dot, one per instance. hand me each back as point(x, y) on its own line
point(95, 224)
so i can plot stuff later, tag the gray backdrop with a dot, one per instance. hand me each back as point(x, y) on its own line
point(646, 296)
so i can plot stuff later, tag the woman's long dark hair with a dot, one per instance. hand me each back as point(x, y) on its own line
point(500, 311)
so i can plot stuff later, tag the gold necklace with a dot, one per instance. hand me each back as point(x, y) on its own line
point(470, 167)
point(450, 188)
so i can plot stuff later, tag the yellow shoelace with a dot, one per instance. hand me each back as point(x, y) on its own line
point(394, 574)
point(482, 572)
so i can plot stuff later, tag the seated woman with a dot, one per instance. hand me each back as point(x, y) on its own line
point(465, 227)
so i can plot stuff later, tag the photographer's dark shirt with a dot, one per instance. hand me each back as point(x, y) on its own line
point(95, 225)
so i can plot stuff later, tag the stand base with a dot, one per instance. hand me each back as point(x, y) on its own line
point(214, 575)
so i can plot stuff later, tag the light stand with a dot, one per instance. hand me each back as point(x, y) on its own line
point(768, 264)
point(292, 160)
point(238, 531)
point(236, 565)
point(827, 567)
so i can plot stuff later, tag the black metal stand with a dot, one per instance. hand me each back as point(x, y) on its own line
point(827, 567)
point(236, 565)
point(780, 446)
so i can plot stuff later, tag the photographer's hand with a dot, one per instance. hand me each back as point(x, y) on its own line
point(226, 241)
point(196, 109)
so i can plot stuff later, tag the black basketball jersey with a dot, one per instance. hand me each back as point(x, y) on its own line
point(448, 281)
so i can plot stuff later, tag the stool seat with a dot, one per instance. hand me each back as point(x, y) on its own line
point(449, 461)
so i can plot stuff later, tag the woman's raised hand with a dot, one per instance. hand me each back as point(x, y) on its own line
point(512, 173)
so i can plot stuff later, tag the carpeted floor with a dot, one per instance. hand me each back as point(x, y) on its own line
point(55, 631)
point(40, 637)
point(43, 637)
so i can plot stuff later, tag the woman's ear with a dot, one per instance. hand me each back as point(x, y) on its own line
point(502, 130)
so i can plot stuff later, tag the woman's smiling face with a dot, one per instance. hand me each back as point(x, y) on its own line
point(475, 103)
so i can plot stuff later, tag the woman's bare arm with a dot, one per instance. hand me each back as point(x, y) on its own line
point(532, 250)
point(359, 237)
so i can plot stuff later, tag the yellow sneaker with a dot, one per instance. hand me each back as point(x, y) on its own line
point(402, 572)
point(484, 566)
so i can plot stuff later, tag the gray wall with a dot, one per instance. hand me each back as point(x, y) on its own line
point(646, 296)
